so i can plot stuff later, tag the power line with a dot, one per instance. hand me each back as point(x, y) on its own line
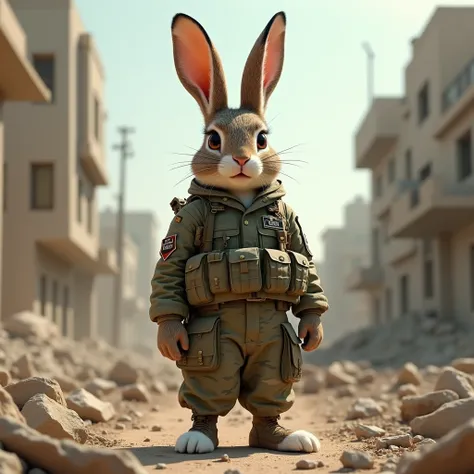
point(125, 152)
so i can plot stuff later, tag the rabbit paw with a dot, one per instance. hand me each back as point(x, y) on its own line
point(194, 442)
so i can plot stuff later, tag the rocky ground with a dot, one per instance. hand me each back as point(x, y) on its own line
point(73, 408)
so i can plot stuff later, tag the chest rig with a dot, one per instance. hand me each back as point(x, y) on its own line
point(205, 234)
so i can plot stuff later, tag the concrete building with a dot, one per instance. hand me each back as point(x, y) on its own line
point(19, 81)
point(345, 248)
point(142, 227)
point(419, 151)
point(133, 306)
point(55, 158)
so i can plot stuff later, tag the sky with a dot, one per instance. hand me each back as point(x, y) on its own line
point(318, 104)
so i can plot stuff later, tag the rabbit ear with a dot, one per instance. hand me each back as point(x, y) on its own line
point(198, 65)
point(264, 65)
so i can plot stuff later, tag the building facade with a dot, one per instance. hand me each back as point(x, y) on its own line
point(133, 306)
point(55, 157)
point(142, 227)
point(419, 151)
point(345, 248)
point(19, 82)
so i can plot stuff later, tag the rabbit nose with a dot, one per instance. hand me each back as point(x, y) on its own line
point(241, 160)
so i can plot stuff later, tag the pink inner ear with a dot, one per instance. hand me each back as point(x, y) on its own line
point(194, 57)
point(272, 62)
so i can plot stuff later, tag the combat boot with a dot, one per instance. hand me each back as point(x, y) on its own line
point(267, 433)
point(201, 438)
point(206, 425)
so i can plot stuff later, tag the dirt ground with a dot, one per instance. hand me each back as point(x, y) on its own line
point(323, 414)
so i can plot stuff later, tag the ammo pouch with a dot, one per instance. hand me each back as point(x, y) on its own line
point(291, 357)
point(213, 275)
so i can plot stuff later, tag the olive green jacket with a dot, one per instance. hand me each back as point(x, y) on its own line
point(236, 227)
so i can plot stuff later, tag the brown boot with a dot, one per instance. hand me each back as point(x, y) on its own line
point(267, 433)
point(206, 425)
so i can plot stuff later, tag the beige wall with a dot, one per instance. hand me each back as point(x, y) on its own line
point(428, 216)
point(58, 246)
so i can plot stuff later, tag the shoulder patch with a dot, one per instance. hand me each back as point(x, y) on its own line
point(168, 246)
point(303, 236)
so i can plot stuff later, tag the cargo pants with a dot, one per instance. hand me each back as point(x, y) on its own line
point(246, 351)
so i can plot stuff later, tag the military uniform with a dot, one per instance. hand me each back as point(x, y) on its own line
point(231, 274)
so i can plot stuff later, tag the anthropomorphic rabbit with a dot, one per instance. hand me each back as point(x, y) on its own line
point(235, 258)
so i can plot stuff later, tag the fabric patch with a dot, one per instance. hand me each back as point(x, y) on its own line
point(178, 219)
point(272, 222)
point(168, 246)
point(303, 235)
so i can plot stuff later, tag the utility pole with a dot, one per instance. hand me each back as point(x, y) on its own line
point(125, 153)
point(370, 71)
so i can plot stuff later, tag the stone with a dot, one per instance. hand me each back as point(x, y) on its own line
point(313, 383)
point(409, 374)
point(8, 407)
point(27, 324)
point(368, 431)
point(401, 441)
point(52, 419)
point(350, 367)
point(305, 464)
point(67, 384)
point(407, 389)
point(137, 392)
point(346, 391)
point(366, 377)
point(100, 387)
point(23, 368)
point(60, 457)
point(5, 377)
point(9, 463)
point(124, 374)
point(89, 407)
point(23, 390)
point(448, 417)
point(336, 376)
point(412, 407)
point(457, 381)
point(356, 460)
point(159, 387)
point(465, 364)
point(453, 454)
point(364, 408)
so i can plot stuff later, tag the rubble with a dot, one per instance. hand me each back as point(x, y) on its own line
point(136, 392)
point(364, 408)
point(89, 407)
point(457, 381)
point(124, 374)
point(8, 407)
point(22, 368)
point(409, 374)
point(23, 390)
point(336, 376)
point(10, 464)
point(100, 387)
point(425, 404)
point(464, 364)
point(368, 431)
point(27, 325)
point(356, 460)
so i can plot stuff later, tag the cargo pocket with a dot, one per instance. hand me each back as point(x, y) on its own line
point(299, 274)
point(196, 280)
point(291, 357)
point(204, 345)
point(218, 272)
point(276, 271)
point(268, 238)
point(244, 270)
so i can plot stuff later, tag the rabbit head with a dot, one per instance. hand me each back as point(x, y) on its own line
point(235, 153)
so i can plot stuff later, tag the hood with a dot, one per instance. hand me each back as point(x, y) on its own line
point(273, 191)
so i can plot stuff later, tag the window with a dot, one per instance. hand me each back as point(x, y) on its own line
point(5, 193)
point(45, 67)
point(408, 166)
point(42, 186)
point(404, 295)
point(391, 171)
point(54, 298)
point(464, 156)
point(42, 294)
point(388, 304)
point(423, 103)
point(375, 246)
point(65, 326)
point(90, 213)
point(428, 282)
point(425, 172)
point(96, 119)
point(80, 191)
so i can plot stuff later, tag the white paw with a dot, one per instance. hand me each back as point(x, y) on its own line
point(194, 442)
point(300, 441)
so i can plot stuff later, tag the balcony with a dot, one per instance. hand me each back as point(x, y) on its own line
point(91, 114)
point(378, 132)
point(430, 208)
point(365, 279)
point(400, 249)
point(18, 79)
point(381, 205)
point(457, 100)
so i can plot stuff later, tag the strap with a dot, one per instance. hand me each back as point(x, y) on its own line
point(283, 236)
point(213, 209)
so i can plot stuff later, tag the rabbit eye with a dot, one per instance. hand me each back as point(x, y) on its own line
point(214, 141)
point(261, 141)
